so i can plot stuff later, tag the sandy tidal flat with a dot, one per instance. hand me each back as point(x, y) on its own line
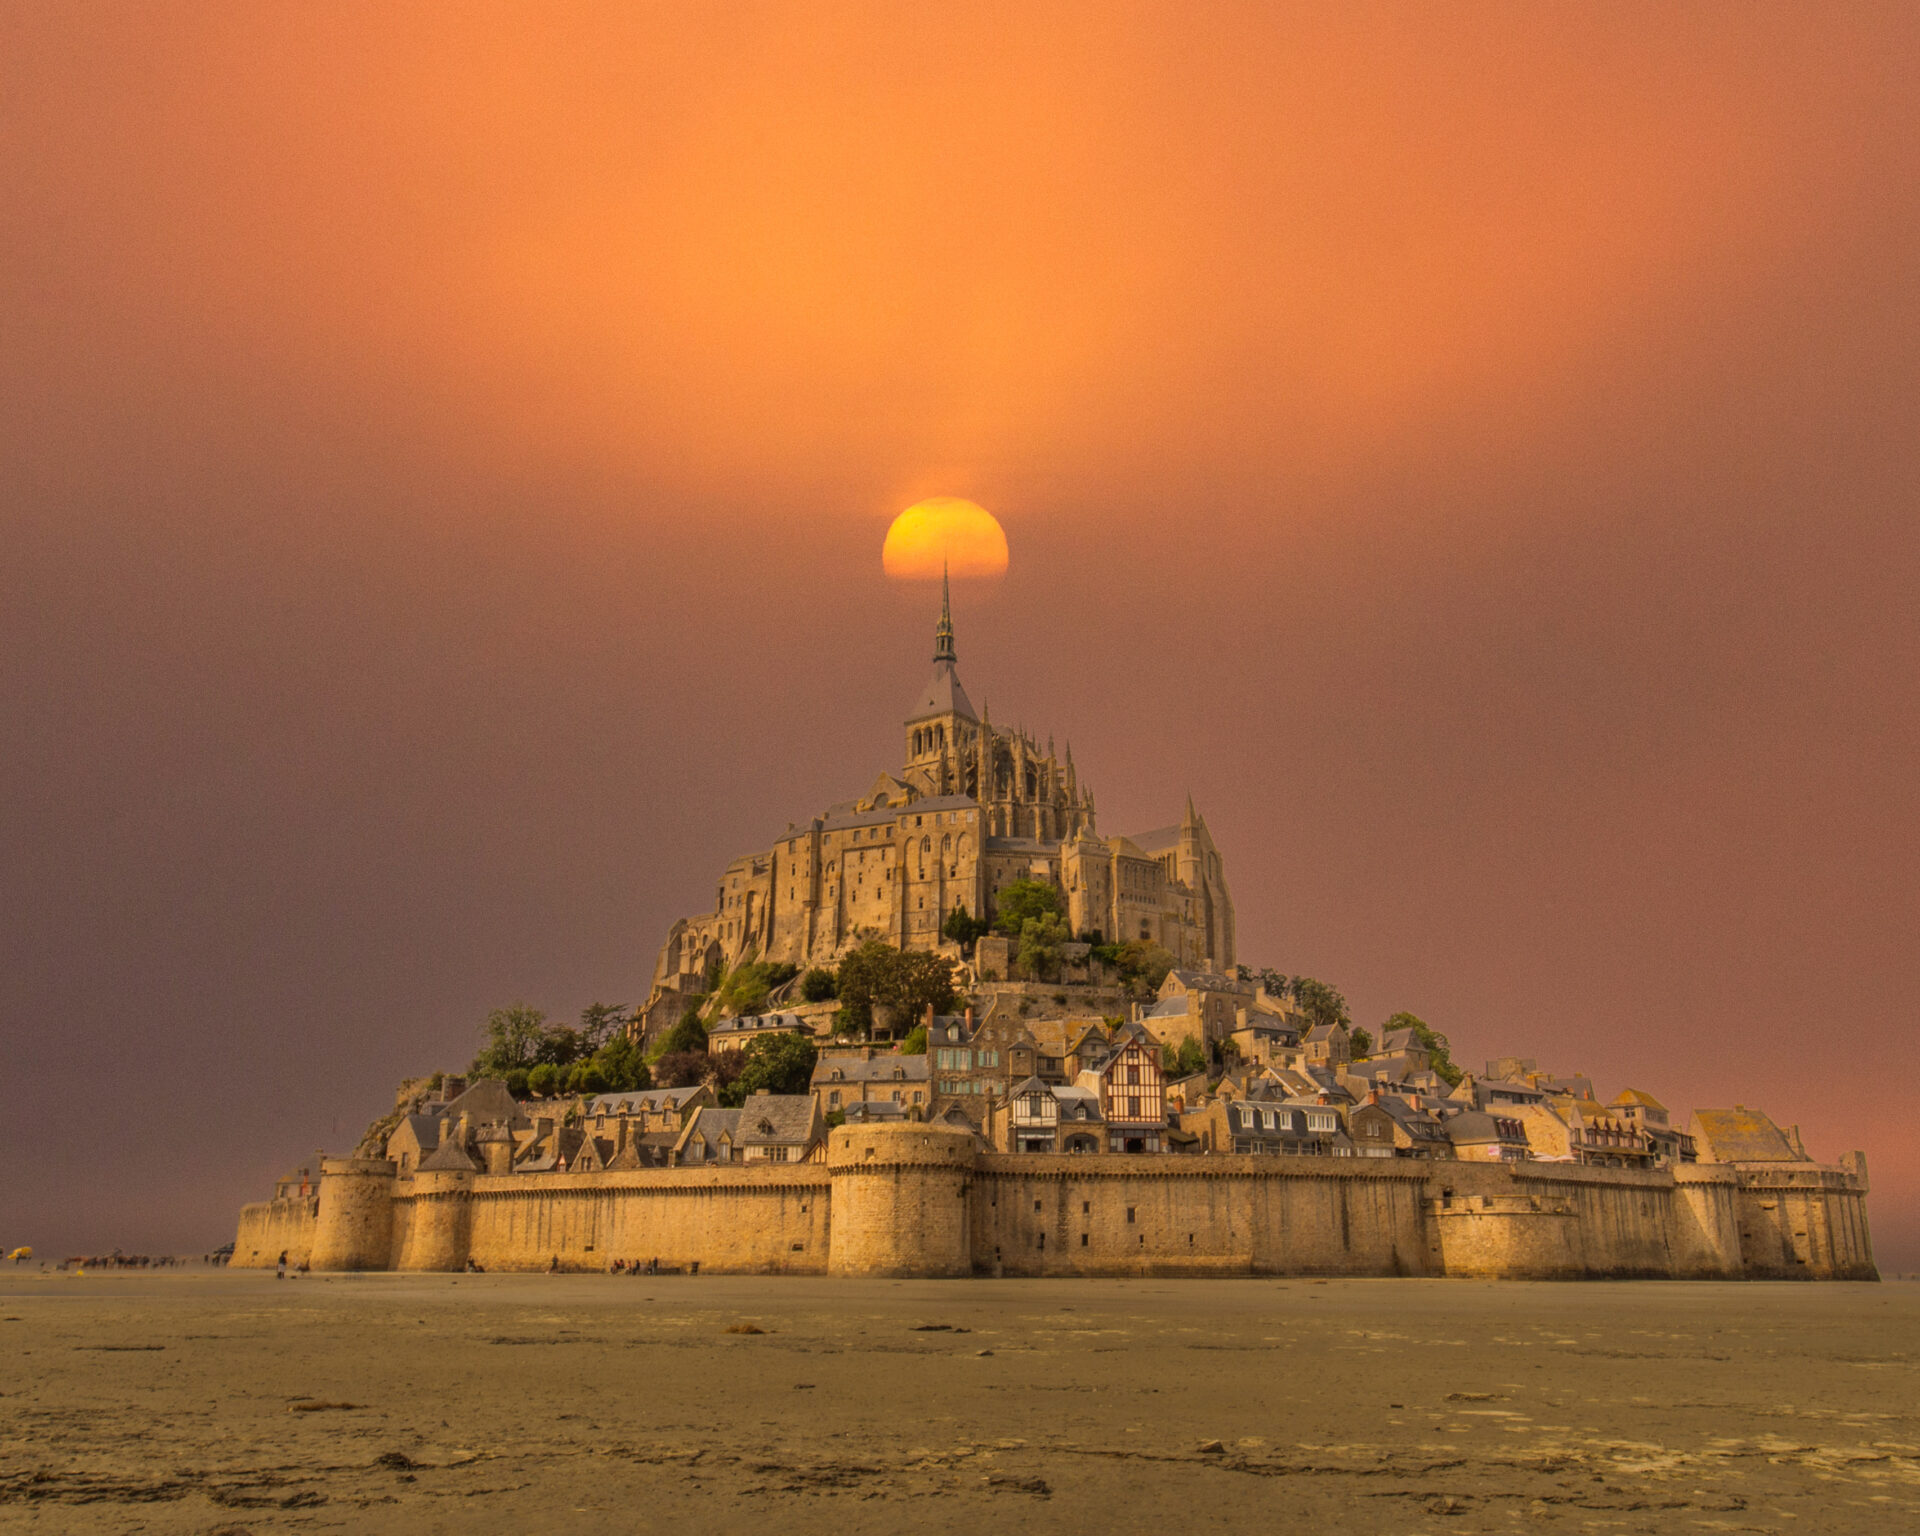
point(206, 1401)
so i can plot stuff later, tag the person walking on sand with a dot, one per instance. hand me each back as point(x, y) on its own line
point(280, 1270)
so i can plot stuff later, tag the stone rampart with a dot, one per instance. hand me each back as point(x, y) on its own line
point(269, 1228)
point(771, 1219)
point(920, 1200)
point(1113, 1214)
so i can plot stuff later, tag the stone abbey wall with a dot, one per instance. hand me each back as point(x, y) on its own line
point(919, 1200)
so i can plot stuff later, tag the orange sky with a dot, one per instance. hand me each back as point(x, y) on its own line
point(1469, 447)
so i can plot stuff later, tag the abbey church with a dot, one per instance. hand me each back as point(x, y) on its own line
point(970, 809)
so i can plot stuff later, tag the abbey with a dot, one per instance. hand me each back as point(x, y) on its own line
point(969, 809)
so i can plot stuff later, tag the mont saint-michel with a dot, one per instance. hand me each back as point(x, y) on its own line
point(948, 1027)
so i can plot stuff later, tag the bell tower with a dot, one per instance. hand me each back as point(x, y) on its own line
point(941, 726)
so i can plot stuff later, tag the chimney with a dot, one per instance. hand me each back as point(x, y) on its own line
point(969, 1018)
point(1373, 1095)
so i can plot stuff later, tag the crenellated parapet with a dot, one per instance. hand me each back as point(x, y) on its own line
point(926, 1201)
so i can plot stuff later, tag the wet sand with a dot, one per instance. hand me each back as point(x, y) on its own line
point(225, 1402)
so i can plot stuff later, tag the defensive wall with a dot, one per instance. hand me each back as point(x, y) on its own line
point(920, 1200)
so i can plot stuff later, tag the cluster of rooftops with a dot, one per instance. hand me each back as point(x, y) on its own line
point(1275, 1085)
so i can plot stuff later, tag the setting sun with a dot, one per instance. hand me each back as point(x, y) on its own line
point(944, 533)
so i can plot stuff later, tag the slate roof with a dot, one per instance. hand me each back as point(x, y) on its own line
point(881, 1069)
point(709, 1125)
point(487, 1099)
point(777, 1120)
point(755, 1023)
point(449, 1157)
point(1209, 981)
point(942, 695)
point(868, 1111)
point(1174, 1007)
point(1474, 1127)
point(1077, 1104)
point(1741, 1135)
point(642, 1101)
point(540, 1157)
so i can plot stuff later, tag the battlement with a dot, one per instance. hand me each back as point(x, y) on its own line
point(922, 1200)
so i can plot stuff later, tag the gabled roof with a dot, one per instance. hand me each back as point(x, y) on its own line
point(881, 1069)
point(778, 1120)
point(1741, 1135)
point(1638, 1096)
point(710, 1125)
point(487, 1099)
point(449, 1157)
point(641, 1101)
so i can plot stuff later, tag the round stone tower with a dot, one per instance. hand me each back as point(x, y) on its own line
point(354, 1226)
point(900, 1205)
point(440, 1225)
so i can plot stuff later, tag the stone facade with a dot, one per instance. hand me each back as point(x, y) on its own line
point(924, 1200)
point(971, 808)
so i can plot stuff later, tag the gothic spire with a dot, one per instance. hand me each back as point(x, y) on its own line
point(943, 635)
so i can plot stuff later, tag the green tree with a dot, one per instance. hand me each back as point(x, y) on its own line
point(517, 1082)
point(683, 1069)
point(1322, 1004)
point(599, 1023)
point(817, 985)
point(544, 1080)
point(1439, 1048)
point(1142, 965)
point(1360, 1042)
point(586, 1077)
point(514, 1037)
point(1190, 1058)
point(1040, 941)
point(963, 928)
point(910, 983)
point(777, 1063)
point(688, 1035)
point(916, 1042)
point(561, 1045)
point(624, 1064)
point(1018, 900)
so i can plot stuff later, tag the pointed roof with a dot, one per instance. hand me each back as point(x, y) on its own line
point(943, 631)
point(943, 694)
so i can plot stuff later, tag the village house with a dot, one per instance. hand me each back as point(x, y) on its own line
point(1479, 1137)
point(1649, 1117)
point(855, 1076)
point(657, 1110)
point(781, 1128)
point(1387, 1125)
point(1262, 1126)
point(733, 1034)
point(1130, 1087)
point(711, 1135)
